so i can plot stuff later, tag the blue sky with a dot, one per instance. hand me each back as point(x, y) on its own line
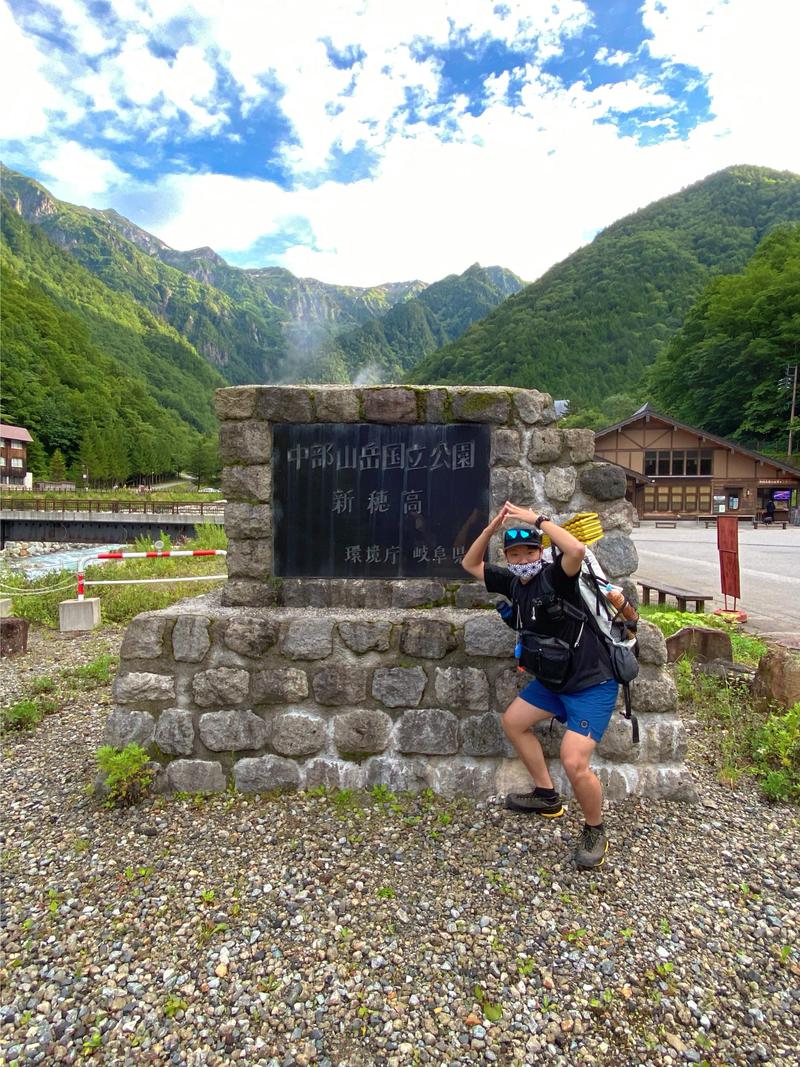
point(362, 142)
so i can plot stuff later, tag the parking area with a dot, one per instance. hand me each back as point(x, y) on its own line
point(769, 565)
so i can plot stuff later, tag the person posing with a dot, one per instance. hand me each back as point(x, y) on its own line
point(545, 599)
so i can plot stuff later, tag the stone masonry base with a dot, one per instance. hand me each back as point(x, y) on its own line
point(273, 698)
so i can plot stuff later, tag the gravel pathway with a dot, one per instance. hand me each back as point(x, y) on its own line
point(359, 930)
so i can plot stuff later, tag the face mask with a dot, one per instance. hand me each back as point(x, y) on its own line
point(525, 570)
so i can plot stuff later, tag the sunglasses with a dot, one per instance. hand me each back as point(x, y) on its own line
point(523, 535)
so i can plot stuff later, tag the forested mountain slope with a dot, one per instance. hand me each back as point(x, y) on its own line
point(724, 369)
point(594, 323)
point(86, 368)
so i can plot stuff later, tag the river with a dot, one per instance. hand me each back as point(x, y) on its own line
point(35, 566)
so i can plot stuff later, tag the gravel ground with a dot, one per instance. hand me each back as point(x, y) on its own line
point(302, 929)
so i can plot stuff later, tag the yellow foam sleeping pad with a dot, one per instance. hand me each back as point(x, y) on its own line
point(585, 526)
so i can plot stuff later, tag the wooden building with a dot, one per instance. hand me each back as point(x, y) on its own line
point(14, 442)
point(677, 471)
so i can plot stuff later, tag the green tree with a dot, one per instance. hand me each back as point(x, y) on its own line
point(58, 469)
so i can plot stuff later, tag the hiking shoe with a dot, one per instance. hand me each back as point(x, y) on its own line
point(531, 804)
point(591, 848)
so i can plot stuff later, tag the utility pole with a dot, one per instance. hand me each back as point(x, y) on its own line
point(791, 416)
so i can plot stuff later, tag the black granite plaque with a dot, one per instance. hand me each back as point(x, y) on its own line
point(357, 500)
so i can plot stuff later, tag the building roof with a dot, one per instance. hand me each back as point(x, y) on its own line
point(14, 433)
point(646, 411)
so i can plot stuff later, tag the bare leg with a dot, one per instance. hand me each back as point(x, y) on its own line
point(518, 719)
point(575, 752)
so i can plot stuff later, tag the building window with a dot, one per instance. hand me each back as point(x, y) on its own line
point(17, 444)
point(16, 462)
point(2, 461)
point(706, 458)
point(690, 498)
point(649, 498)
point(662, 498)
point(663, 462)
point(704, 499)
point(650, 463)
point(691, 464)
point(677, 462)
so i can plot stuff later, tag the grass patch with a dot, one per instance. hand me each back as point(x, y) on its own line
point(747, 649)
point(745, 739)
point(91, 675)
point(127, 774)
point(23, 715)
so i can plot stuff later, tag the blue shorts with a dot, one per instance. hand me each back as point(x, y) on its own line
point(586, 712)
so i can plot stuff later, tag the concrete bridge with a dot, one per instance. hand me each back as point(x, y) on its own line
point(101, 522)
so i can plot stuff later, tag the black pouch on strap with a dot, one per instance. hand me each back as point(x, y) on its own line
point(624, 664)
point(548, 658)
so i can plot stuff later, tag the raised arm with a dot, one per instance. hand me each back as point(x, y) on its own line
point(572, 548)
point(473, 558)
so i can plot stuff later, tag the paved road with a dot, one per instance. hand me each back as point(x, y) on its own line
point(769, 565)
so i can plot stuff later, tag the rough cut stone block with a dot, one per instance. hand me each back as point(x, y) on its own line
point(127, 727)
point(232, 731)
point(481, 405)
point(248, 483)
point(653, 690)
point(363, 637)
point(144, 638)
point(250, 559)
point(340, 683)
point(412, 593)
point(235, 402)
point(174, 733)
point(427, 638)
point(652, 646)
point(249, 593)
point(285, 403)
point(282, 686)
point(309, 639)
point(545, 445)
point(462, 687)
point(617, 742)
point(702, 643)
point(777, 678)
point(550, 733)
point(399, 775)
point(190, 640)
point(506, 447)
point(455, 778)
point(297, 734)
point(251, 637)
point(337, 404)
point(361, 730)
point(245, 442)
point(531, 406)
point(663, 739)
point(507, 685)
point(616, 781)
point(510, 483)
point(482, 735)
point(389, 405)
point(473, 595)
point(354, 593)
point(579, 445)
point(487, 635)
point(667, 783)
point(262, 774)
point(306, 593)
point(428, 731)
point(604, 481)
point(195, 776)
point(559, 483)
point(143, 686)
point(334, 774)
point(399, 687)
point(247, 521)
point(616, 554)
point(220, 686)
point(618, 515)
point(437, 405)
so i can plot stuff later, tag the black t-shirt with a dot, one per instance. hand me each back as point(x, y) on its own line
point(590, 661)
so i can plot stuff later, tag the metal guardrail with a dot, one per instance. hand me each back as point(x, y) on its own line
point(54, 505)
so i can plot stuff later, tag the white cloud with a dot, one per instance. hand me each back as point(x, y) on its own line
point(24, 88)
point(79, 175)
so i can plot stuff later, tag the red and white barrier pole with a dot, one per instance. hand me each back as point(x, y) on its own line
point(147, 555)
point(80, 585)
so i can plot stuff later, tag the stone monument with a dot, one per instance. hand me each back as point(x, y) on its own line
point(348, 648)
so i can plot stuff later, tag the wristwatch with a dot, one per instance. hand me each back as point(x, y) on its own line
point(540, 519)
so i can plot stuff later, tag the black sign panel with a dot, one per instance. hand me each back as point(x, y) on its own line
point(356, 500)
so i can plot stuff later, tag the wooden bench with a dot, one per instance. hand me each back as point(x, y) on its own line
point(664, 524)
point(683, 596)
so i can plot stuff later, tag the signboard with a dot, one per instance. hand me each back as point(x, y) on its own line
point(358, 500)
point(728, 547)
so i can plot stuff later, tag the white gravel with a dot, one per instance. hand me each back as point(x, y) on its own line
point(299, 929)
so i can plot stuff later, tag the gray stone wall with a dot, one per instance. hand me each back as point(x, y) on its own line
point(533, 463)
point(271, 698)
point(352, 683)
